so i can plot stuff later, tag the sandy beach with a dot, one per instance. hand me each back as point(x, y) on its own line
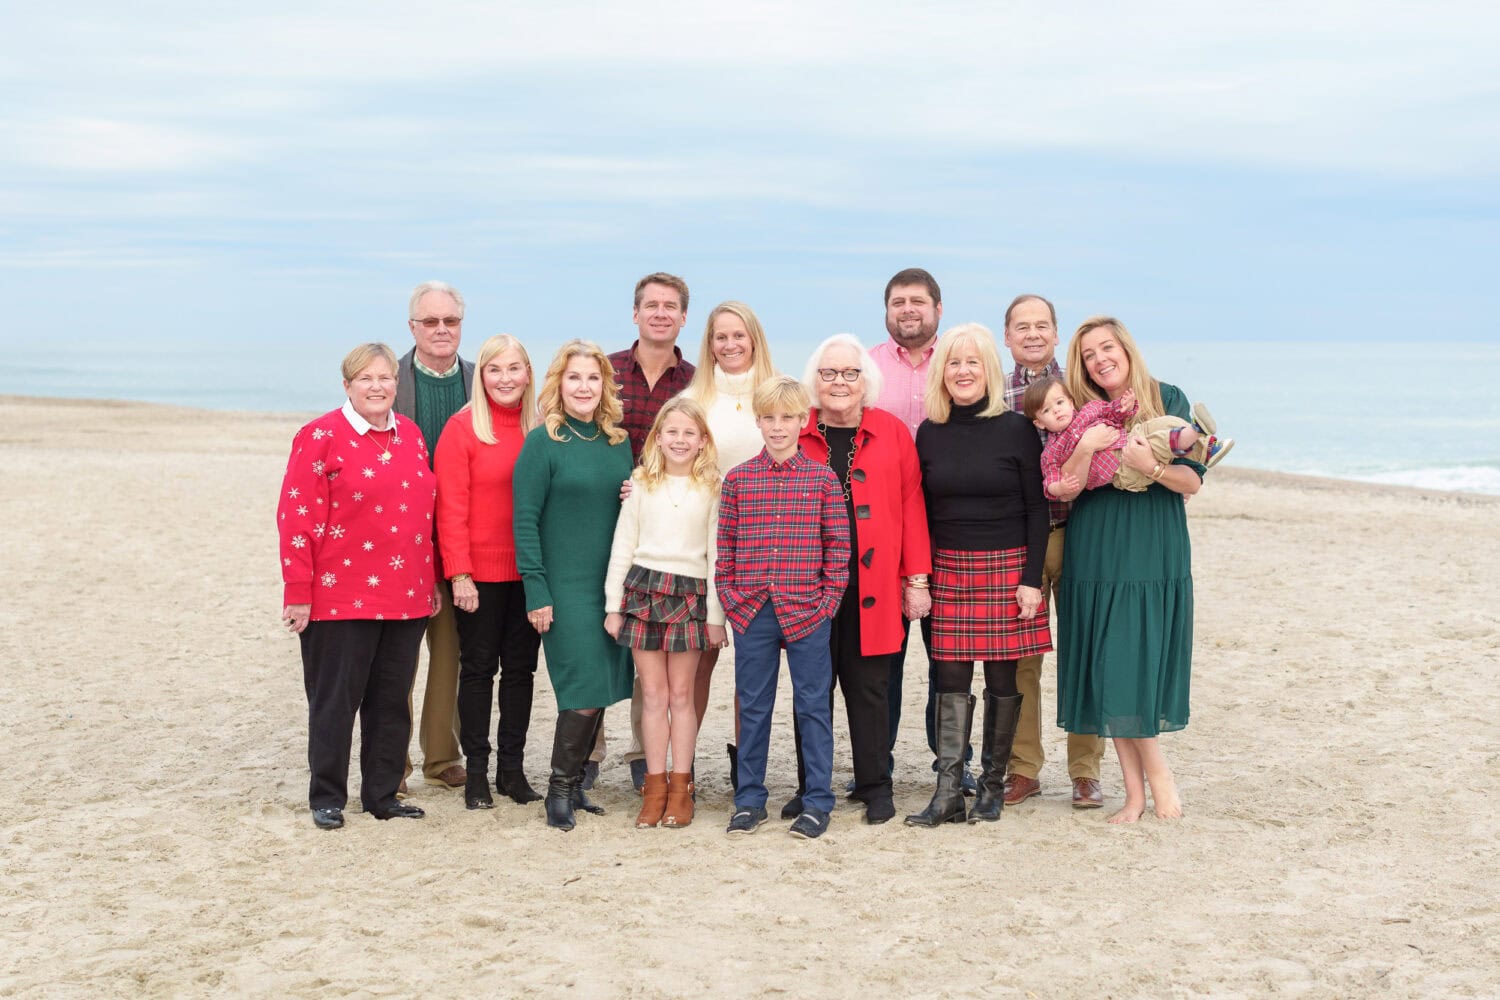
point(1339, 837)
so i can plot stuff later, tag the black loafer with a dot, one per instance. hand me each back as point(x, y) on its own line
point(330, 818)
point(881, 810)
point(810, 825)
point(400, 811)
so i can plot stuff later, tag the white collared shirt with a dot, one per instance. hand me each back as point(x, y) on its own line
point(361, 425)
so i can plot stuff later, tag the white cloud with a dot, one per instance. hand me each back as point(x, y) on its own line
point(110, 146)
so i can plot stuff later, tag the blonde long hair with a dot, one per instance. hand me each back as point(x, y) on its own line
point(609, 412)
point(480, 415)
point(703, 387)
point(653, 468)
point(1083, 388)
point(939, 403)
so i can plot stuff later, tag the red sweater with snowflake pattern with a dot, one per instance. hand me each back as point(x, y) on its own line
point(355, 520)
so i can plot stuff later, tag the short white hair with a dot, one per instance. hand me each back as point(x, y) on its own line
point(870, 374)
point(433, 286)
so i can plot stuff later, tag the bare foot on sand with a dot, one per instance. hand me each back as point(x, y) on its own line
point(1129, 812)
point(1164, 796)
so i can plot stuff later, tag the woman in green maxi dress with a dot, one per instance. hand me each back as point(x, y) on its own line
point(1125, 603)
point(567, 498)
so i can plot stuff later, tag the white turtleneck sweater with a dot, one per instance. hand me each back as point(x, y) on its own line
point(731, 419)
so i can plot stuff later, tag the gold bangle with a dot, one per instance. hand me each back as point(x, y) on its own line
point(916, 586)
point(1157, 472)
point(459, 578)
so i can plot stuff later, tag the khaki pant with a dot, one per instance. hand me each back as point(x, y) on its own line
point(437, 733)
point(1085, 751)
point(636, 751)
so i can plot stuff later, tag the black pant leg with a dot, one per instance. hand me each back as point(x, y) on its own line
point(865, 681)
point(336, 659)
point(478, 660)
point(519, 648)
point(385, 715)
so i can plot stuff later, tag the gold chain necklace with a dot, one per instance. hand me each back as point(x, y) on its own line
point(823, 430)
point(579, 434)
point(385, 453)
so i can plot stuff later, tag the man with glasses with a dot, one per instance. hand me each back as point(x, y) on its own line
point(433, 384)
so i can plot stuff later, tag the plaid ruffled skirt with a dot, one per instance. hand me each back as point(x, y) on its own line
point(974, 610)
point(664, 611)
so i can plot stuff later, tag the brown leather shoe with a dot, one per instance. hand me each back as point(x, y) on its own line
point(1019, 788)
point(454, 776)
point(1087, 794)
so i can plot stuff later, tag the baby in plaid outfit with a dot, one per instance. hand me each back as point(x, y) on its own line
point(783, 564)
point(1049, 406)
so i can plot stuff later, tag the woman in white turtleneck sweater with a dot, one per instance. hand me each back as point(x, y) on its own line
point(734, 360)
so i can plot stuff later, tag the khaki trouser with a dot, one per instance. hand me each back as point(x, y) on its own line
point(636, 751)
point(1026, 757)
point(437, 733)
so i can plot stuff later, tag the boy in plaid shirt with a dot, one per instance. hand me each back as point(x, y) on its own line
point(782, 568)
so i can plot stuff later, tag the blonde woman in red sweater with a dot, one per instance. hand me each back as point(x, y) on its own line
point(474, 461)
point(355, 521)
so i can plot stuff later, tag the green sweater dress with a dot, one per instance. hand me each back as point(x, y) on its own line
point(567, 498)
point(1125, 608)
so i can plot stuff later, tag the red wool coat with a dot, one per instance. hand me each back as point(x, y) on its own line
point(890, 521)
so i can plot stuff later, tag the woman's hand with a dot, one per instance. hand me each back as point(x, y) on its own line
point(718, 638)
point(625, 489)
point(613, 622)
point(1097, 438)
point(1030, 599)
point(541, 618)
point(916, 602)
point(466, 595)
point(1137, 455)
point(296, 616)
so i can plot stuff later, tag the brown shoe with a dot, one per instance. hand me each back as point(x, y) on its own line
point(1019, 788)
point(653, 801)
point(1087, 794)
point(454, 776)
point(679, 800)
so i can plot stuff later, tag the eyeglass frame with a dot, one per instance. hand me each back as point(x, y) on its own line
point(848, 374)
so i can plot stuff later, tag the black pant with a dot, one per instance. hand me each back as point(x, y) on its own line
point(496, 637)
point(363, 667)
point(865, 681)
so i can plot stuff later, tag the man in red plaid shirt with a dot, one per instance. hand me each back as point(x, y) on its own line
point(782, 568)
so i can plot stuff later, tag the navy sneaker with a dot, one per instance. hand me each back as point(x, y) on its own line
point(638, 773)
point(747, 820)
point(810, 825)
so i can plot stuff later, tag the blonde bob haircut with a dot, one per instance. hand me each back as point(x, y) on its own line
point(1083, 388)
point(609, 412)
point(480, 415)
point(979, 338)
point(703, 386)
point(363, 356)
point(653, 468)
point(870, 378)
point(781, 394)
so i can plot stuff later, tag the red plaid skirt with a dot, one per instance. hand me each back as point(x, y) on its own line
point(974, 610)
point(664, 611)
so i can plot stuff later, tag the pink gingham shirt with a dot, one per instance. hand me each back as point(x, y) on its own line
point(905, 384)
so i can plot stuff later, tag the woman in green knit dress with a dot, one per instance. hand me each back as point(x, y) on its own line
point(1125, 603)
point(567, 498)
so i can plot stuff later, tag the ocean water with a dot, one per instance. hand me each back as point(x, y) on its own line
point(1387, 412)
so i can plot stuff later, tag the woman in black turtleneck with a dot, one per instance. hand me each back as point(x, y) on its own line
point(981, 473)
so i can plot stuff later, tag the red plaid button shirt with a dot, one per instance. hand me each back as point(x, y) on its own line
point(1015, 388)
point(1102, 464)
point(642, 402)
point(783, 538)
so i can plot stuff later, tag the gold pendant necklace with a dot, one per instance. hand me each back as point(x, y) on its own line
point(823, 430)
point(385, 454)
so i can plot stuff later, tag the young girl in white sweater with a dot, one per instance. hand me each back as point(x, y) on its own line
point(666, 610)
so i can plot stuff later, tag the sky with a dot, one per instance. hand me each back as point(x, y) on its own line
point(276, 177)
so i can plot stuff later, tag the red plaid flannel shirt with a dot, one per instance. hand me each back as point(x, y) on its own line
point(783, 538)
point(1103, 464)
point(642, 402)
point(1015, 388)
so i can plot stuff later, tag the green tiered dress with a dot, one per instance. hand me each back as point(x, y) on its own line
point(1125, 608)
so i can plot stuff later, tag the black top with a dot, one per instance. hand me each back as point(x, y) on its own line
point(983, 481)
point(840, 444)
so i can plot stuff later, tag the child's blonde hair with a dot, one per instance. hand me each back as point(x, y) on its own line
point(781, 394)
point(653, 468)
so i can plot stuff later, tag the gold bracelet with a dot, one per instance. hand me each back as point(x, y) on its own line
point(1157, 472)
point(917, 586)
point(459, 578)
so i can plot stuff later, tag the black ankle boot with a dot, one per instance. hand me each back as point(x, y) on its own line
point(571, 744)
point(477, 786)
point(1000, 718)
point(511, 782)
point(955, 721)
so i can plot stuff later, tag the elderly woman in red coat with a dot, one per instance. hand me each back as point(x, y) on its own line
point(872, 453)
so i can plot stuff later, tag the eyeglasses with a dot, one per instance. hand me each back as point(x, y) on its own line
point(431, 322)
point(370, 381)
point(829, 374)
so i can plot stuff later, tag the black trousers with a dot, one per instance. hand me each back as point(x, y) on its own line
point(496, 638)
point(364, 668)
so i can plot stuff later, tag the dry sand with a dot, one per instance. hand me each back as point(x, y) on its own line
point(1340, 836)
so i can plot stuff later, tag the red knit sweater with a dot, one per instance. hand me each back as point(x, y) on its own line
point(356, 531)
point(474, 503)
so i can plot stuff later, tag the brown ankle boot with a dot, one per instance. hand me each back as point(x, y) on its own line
point(653, 801)
point(679, 799)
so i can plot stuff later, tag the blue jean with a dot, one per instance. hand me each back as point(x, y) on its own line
point(757, 663)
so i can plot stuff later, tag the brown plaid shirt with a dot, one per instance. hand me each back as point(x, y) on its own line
point(642, 402)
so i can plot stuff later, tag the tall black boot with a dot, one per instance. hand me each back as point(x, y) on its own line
point(1000, 718)
point(571, 744)
point(954, 723)
point(580, 800)
point(477, 785)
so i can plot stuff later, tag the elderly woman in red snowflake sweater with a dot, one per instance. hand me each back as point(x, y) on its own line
point(355, 519)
